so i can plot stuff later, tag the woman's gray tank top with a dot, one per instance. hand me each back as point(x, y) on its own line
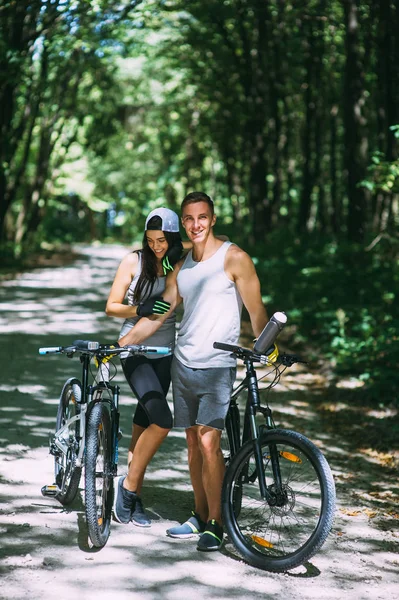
point(212, 312)
point(165, 336)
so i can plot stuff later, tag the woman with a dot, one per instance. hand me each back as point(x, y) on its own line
point(141, 275)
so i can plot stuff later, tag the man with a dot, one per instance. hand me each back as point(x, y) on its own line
point(213, 281)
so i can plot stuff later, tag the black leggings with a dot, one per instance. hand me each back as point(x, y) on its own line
point(150, 381)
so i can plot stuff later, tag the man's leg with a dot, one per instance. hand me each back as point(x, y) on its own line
point(212, 479)
point(195, 464)
point(213, 468)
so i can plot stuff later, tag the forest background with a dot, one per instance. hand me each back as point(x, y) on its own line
point(285, 112)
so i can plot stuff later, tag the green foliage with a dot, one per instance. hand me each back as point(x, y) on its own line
point(129, 105)
point(58, 89)
point(344, 301)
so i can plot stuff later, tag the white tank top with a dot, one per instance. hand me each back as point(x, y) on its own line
point(212, 312)
point(165, 336)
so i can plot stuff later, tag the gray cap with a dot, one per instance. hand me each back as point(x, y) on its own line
point(170, 220)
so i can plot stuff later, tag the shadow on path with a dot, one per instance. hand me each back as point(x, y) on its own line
point(44, 546)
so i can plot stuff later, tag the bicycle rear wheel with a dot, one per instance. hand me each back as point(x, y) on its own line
point(285, 535)
point(99, 483)
point(67, 474)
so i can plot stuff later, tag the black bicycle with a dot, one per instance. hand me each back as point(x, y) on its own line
point(278, 497)
point(87, 432)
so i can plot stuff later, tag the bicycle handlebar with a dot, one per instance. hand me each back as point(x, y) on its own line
point(97, 349)
point(286, 359)
point(226, 347)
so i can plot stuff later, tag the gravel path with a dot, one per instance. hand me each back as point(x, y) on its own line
point(44, 547)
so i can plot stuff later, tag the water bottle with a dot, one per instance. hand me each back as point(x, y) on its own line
point(270, 332)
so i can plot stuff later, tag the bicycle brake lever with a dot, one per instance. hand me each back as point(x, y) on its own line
point(290, 359)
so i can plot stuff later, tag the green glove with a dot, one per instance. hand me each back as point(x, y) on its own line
point(172, 256)
point(166, 265)
point(153, 306)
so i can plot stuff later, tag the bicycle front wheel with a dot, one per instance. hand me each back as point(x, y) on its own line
point(286, 531)
point(99, 483)
point(67, 474)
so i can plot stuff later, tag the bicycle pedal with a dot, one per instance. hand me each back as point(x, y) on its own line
point(120, 435)
point(50, 490)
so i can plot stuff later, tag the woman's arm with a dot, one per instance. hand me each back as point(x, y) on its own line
point(122, 281)
point(147, 326)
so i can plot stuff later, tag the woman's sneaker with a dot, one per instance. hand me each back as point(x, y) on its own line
point(191, 528)
point(212, 538)
point(139, 516)
point(124, 503)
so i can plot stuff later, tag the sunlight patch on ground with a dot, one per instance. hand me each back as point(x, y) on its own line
point(60, 323)
point(169, 474)
point(335, 407)
point(383, 413)
point(351, 383)
point(24, 389)
point(176, 433)
point(295, 412)
point(384, 459)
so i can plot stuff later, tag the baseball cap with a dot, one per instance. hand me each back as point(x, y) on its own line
point(170, 220)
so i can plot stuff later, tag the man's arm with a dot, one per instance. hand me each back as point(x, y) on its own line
point(147, 326)
point(240, 268)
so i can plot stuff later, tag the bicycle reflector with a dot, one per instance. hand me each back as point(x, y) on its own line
point(261, 541)
point(287, 455)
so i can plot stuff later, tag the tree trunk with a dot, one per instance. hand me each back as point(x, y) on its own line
point(355, 142)
point(307, 174)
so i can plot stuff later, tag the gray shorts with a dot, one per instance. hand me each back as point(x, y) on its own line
point(201, 396)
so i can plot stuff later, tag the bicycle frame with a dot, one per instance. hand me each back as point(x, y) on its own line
point(251, 431)
point(91, 394)
point(88, 434)
point(278, 493)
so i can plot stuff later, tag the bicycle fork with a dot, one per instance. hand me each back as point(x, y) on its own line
point(96, 394)
point(256, 435)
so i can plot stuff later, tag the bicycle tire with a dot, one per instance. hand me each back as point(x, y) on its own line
point(67, 474)
point(279, 538)
point(99, 483)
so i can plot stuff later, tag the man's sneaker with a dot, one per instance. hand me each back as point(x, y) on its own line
point(139, 516)
point(191, 528)
point(124, 503)
point(212, 538)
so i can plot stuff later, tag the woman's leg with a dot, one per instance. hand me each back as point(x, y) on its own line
point(140, 418)
point(150, 380)
point(137, 430)
point(146, 446)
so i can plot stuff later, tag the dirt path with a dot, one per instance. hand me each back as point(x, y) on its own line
point(44, 547)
